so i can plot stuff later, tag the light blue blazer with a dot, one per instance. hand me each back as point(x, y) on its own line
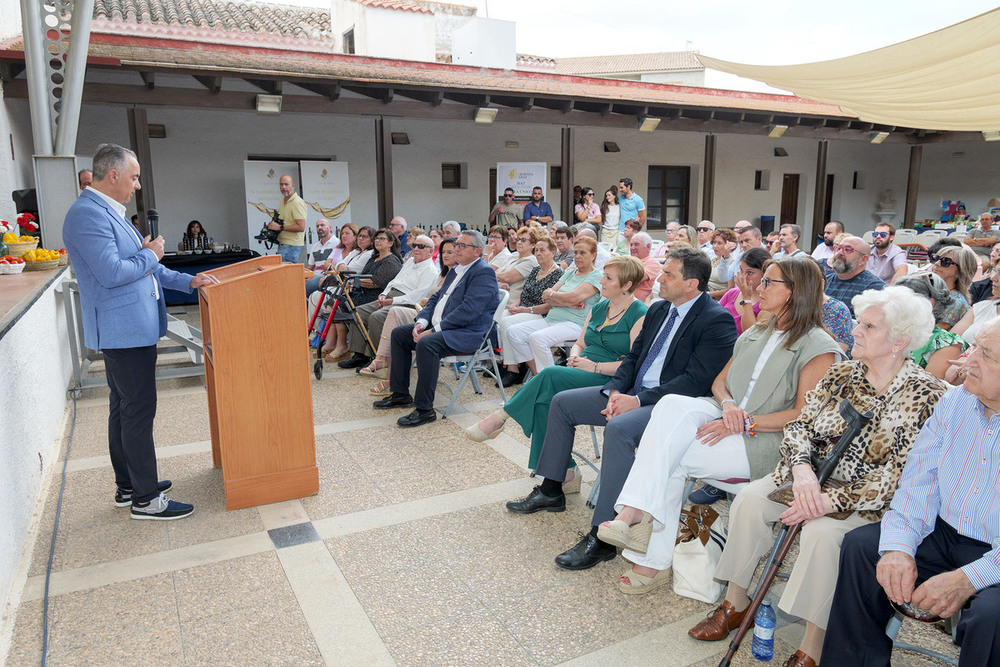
point(116, 277)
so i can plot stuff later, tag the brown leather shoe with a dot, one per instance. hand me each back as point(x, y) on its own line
point(800, 659)
point(719, 623)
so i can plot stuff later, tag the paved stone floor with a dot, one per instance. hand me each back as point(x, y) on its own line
point(405, 556)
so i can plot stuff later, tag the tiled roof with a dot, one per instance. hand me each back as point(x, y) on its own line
point(395, 4)
point(631, 62)
point(243, 61)
point(254, 17)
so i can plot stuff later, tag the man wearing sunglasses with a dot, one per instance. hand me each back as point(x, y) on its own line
point(705, 229)
point(412, 284)
point(850, 275)
point(887, 260)
point(507, 212)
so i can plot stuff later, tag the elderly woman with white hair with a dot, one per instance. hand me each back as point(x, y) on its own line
point(892, 323)
point(943, 346)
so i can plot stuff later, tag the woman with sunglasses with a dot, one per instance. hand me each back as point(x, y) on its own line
point(943, 347)
point(587, 210)
point(735, 433)
point(957, 266)
point(610, 216)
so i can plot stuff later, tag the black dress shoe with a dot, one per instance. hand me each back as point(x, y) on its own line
point(509, 379)
point(393, 401)
point(587, 553)
point(356, 361)
point(416, 418)
point(536, 502)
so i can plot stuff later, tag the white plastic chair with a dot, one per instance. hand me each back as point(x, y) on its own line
point(606, 246)
point(905, 236)
point(930, 237)
point(475, 362)
point(867, 236)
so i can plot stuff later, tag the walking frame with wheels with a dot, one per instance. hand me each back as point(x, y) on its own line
point(334, 290)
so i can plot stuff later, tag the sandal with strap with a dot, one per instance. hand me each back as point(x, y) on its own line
point(633, 583)
point(377, 369)
point(381, 389)
point(624, 536)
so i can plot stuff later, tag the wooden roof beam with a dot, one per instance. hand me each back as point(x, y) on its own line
point(213, 83)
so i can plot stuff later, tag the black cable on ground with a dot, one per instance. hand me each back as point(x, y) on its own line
point(52, 546)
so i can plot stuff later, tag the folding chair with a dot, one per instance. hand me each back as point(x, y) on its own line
point(892, 629)
point(867, 236)
point(905, 235)
point(930, 237)
point(475, 362)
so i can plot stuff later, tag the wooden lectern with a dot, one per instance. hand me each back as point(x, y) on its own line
point(259, 387)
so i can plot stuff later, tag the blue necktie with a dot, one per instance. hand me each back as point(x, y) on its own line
point(654, 350)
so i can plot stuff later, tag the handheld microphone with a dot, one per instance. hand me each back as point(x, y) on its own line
point(153, 219)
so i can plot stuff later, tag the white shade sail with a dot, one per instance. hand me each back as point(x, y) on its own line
point(946, 80)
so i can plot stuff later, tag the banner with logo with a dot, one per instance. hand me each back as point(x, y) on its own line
point(260, 178)
point(523, 177)
point(327, 192)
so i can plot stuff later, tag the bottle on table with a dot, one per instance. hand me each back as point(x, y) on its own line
point(763, 633)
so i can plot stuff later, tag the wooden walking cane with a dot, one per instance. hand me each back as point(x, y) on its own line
point(786, 536)
point(354, 310)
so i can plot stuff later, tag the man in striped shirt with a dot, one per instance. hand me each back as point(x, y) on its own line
point(939, 545)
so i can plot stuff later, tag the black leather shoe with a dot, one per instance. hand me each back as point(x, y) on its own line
point(508, 379)
point(356, 361)
point(536, 502)
point(393, 401)
point(587, 553)
point(416, 418)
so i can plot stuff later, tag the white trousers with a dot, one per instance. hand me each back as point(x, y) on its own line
point(506, 322)
point(535, 339)
point(668, 454)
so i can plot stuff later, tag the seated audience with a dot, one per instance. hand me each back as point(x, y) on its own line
point(685, 341)
point(943, 346)
point(981, 240)
point(608, 334)
point(892, 323)
point(723, 248)
point(983, 289)
point(496, 253)
point(512, 239)
point(324, 252)
point(886, 260)
point(981, 312)
point(837, 319)
point(743, 301)
point(957, 267)
point(733, 434)
point(544, 276)
point(564, 246)
point(750, 238)
point(436, 236)
point(848, 276)
point(399, 315)
point(451, 229)
point(771, 243)
point(825, 249)
point(411, 284)
point(383, 266)
point(639, 247)
point(936, 547)
point(453, 322)
point(602, 255)
point(564, 308)
point(631, 228)
point(357, 257)
point(512, 272)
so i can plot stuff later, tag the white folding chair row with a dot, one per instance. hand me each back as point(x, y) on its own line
point(905, 236)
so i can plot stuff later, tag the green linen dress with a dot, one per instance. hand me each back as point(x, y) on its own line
point(530, 405)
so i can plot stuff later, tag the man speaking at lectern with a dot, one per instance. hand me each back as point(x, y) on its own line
point(121, 284)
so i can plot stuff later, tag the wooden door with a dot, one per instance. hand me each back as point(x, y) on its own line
point(789, 199)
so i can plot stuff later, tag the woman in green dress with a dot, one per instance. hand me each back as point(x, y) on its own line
point(608, 333)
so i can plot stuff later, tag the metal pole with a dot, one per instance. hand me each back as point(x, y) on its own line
point(76, 71)
point(39, 99)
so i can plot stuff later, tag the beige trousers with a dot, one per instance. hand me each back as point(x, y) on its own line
point(809, 591)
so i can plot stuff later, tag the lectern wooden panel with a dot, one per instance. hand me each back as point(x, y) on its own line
point(259, 386)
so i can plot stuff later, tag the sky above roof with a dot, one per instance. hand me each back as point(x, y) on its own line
point(781, 32)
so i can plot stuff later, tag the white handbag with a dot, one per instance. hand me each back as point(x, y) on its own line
point(696, 554)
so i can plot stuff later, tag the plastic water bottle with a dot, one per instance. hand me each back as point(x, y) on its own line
point(763, 633)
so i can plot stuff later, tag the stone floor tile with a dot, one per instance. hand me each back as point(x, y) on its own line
point(210, 590)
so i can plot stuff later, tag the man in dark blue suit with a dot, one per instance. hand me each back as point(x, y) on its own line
point(454, 321)
point(684, 343)
point(121, 285)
